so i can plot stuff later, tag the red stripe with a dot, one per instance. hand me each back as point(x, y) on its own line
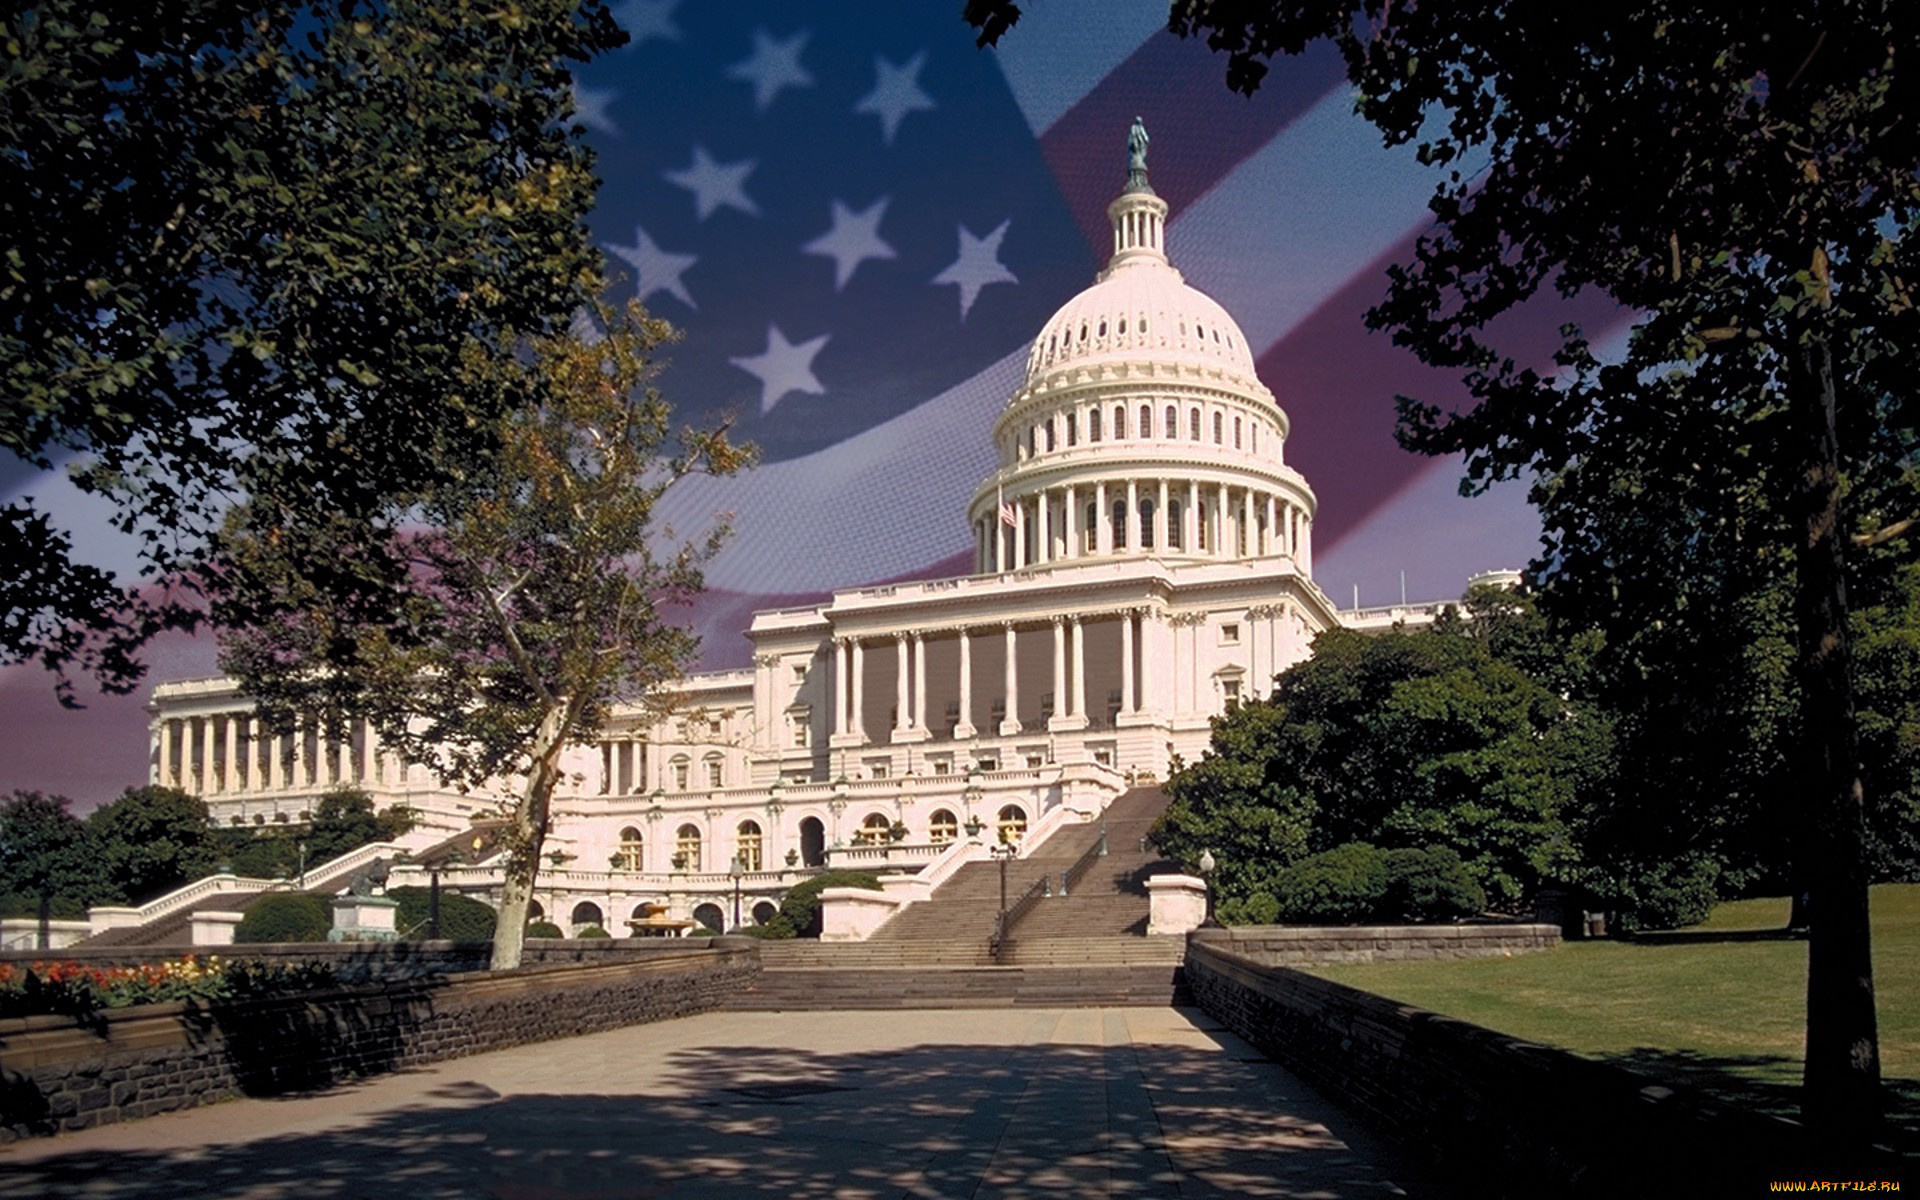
point(1178, 88)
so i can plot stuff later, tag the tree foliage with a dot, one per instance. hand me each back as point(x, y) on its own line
point(48, 858)
point(250, 248)
point(532, 596)
point(151, 840)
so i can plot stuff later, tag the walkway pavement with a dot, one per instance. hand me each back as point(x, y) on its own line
point(1007, 1104)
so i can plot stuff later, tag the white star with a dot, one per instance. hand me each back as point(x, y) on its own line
point(854, 238)
point(896, 92)
point(978, 265)
point(783, 367)
point(658, 270)
point(590, 108)
point(645, 19)
point(772, 66)
point(716, 185)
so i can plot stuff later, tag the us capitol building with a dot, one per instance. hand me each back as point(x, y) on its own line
point(1143, 559)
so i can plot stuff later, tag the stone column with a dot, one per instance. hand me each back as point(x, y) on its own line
point(1072, 523)
point(1059, 667)
point(1246, 521)
point(1226, 547)
point(1273, 527)
point(858, 725)
point(1148, 640)
point(1102, 520)
point(965, 728)
point(1191, 518)
point(920, 681)
point(1019, 534)
point(1126, 661)
point(1010, 724)
point(205, 749)
point(1044, 528)
point(842, 660)
point(1160, 520)
point(1079, 694)
point(902, 713)
point(1133, 515)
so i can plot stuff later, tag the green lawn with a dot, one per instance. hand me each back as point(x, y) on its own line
point(1719, 1006)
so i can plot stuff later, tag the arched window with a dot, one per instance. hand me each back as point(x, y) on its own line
point(1091, 532)
point(686, 848)
point(1219, 427)
point(587, 914)
point(1200, 526)
point(1050, 446)
point(534, 911)
point(1194, 424)
point(1172, 429)
point(1123, 325)
point(1146, 524)
point(1119, 421)
point(1254, 436)
point(765, 911)
point(1093, 425)
point(1073, 429)
point(873, 830)
point(945, 827)
point(1012, 825)
point(1146, 420)
point(1119, 524)
point(632, 849)
point(1174, 530)
point(1236, 433)
point(1103, 328)
point(747, 843)
point(709, 916)
point(1053, 346)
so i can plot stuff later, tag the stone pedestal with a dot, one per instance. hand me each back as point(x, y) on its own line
point(364, 919)
point(1178, 904)
point(213, 928)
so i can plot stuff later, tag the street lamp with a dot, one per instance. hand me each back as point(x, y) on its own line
point(1003, 854)
point(1206, 875)
point(734, 871)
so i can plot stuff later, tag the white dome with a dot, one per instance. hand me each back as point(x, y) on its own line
point(1140, 311)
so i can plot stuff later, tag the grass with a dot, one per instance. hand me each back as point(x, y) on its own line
point(1720, 1007)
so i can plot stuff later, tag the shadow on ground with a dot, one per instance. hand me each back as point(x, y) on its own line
point(762, 1122)
point(1766, 1083)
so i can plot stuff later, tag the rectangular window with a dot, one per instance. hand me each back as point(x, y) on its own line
point(713, 773)
point(1230, 635)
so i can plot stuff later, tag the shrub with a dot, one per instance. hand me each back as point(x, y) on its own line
point(593, 931)
point(286, 917)
point(1258, 909)
point(801, 906)
point(544, 929)
point(702, 931)
point(776, 929)
point(1670, 895)
point(1430, 885)
point(1342, 886)
point(462, 918)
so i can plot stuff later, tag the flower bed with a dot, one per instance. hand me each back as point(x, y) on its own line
point(78, 989)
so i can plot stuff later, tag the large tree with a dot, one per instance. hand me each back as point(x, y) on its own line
point(533, 594)
point(47, 857)
point(249, 247)
point(151, 840)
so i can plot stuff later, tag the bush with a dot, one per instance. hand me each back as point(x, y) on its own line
point(1258, 909)
point(286, 917)
point(702, 931)
point(593, 931)
point(1670, 895)
point(462, 918)
point(801, 906)
point(1430, 885)
point(544, 929)
point(1342, 886)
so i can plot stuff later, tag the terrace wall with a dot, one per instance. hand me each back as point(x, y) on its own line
point(56, 1074)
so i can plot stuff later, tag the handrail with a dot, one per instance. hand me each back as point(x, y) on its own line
point(1008, 919)
point(1071, 877)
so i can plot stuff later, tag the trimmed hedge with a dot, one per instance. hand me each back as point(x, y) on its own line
point(800, 907)
point(1359, 884)
point(462, 918)
point(286, 917)
point(544, 929)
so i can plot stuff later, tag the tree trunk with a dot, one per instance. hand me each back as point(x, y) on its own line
point(1840, 1099)
point(529, 834)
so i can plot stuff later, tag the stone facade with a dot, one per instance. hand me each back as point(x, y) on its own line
point(135, 1062)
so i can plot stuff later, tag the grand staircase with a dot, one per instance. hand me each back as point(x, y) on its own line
point(1086, 948)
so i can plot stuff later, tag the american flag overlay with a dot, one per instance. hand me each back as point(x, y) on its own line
point(859, 221)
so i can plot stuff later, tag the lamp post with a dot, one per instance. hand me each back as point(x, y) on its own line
point(453, 858)
point(1206, 875)
point(301, 846)
point(1003, 854)
point(734, 871)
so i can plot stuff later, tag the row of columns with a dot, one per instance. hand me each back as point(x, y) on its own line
point(910, 685)
point(209, 755)
point(1266, 522)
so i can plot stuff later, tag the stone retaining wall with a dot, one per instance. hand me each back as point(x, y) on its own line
point(134, 1062)
point(1287, 945)
point(1500, 1116)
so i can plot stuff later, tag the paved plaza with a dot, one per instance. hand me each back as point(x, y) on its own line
point(976, 1103)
